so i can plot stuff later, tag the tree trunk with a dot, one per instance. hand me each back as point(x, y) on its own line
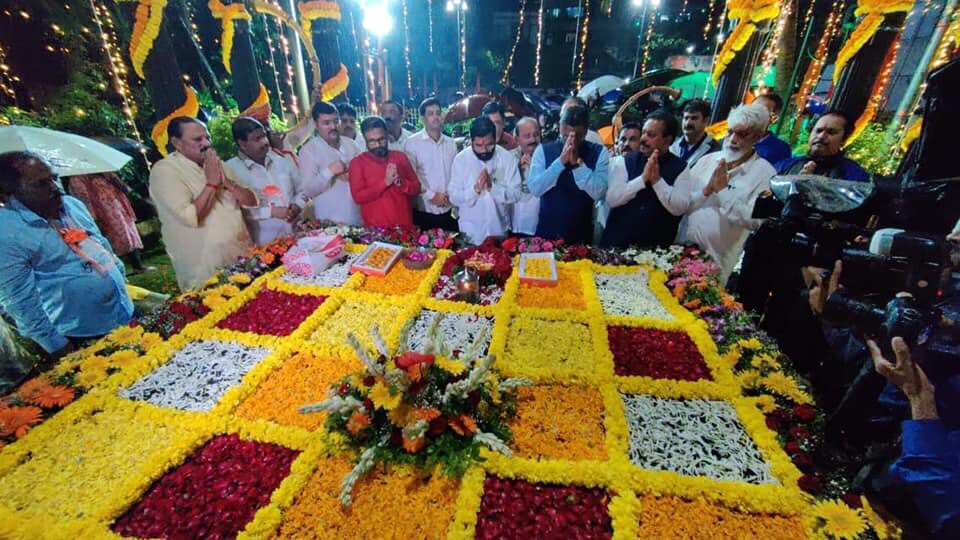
point(735, 80)
point(856, 82)
point(196, 61)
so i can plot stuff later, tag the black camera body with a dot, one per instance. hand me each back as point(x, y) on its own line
point(904, 316)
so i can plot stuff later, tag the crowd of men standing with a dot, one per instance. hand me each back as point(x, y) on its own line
point(667, 181)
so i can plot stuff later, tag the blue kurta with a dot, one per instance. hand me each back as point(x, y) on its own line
point(46, 287)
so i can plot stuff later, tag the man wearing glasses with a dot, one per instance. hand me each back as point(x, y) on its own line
point(716, 195)
point(382, 181)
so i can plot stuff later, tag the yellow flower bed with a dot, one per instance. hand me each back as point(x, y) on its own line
point(566, 294)
point(385, 505)
point(304, 378)
point(78, 472)
point(559, 422)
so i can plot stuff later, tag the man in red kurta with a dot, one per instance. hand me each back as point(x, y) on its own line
point(382, 181)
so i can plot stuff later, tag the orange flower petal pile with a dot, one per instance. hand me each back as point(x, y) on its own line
point(566, 294)
point(399, 280)
point(559, 422)
point(673, 517)
point(385, 505)
point(302, 379)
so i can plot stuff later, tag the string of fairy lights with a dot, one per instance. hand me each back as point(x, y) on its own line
point(371, 80)
point(584, 36)
point(505, 79)
point(294, 105)
point(683, 8)
point(430, 25)
point(406, 48)
point(769, 54)
point(463, 46)
point(191, 22)
point(536, 67)
point(651, 20)
point(118, 70)
point(272, 58)
point(709, 25)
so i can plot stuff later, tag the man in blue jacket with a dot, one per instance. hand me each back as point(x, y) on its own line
point(568, 175)
point(825, 152)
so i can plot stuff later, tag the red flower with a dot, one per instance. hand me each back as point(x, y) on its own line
point(272, 313)
point(805, 413)
point(773, 422)
point(214, 494)
point(800, 433)
point(656, 353)
point(521, 509)
point(810, 483)
point(510, 244)
point(803, 461)
point(852, 500)
point(792, 447)
point(412, 358)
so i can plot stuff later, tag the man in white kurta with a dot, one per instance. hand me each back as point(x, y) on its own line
point(324, 166)
point(274, 179)
point(486, 180)
point(198, 202)
point(431, 154)
point(717, 194)
point(525, 213)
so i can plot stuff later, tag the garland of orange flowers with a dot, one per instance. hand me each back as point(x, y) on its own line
point(913, 131)
point(875, 10)
point(747, 13)
point(260, 108)
point(228, 13)
point(336, 85)
point(311, 11)
point(190, 108)
point(146, 27)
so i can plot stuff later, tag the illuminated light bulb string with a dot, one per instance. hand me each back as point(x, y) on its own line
point(536, 68)
point(430, 24)
point(406, 49)
point(505, 79)
point(709, 26)
point(288, 66)
point(770, 52)
point(193, 25)
point(652, 19)
point(584, 36)
point(272, 58)
point(371, 83)
point(6, 79)
point(683, 8)
point(118, 70)
point(463, 45)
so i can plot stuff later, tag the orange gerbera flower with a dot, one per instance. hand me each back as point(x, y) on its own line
point(462, 425)
point(267, 258)
point(357, 422)
point(414, 445)
point(17, 420)
point(29, 389)
point(49, 397)
point(426, 414)
point(73, 236)
point(468, 423)
point(695, 303)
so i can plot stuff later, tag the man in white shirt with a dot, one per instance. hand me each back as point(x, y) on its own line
point(485, 182)
point(275, 181)
point(348, 123)
point(695, 142)
point(324, 162)
point(397, 135)
point(717, 194)
point(526, 211)
point(431, 153)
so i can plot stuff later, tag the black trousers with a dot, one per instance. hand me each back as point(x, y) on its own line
point(426, 220)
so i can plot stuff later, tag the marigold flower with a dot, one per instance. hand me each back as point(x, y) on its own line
point(383, 399)
point(240, 279)
point(414, 445)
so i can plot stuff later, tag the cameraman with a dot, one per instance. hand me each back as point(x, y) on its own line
point(927, 473)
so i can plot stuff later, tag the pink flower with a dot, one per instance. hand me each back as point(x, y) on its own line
point(548, 245)
point(535, 248)
point(438, 242)
point(521, 248)
point(423, 240)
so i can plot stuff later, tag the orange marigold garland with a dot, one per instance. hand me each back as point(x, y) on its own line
point(747, 13)
point(190, 108)
point(673, 517)
point(875, 10)
point(546, 429)
point(146, 28)
point(567, 294)
point(228, 13)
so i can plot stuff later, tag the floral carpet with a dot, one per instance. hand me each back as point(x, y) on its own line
point(636, 425)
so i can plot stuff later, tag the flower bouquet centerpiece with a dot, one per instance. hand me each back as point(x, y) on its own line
point(432, 410)
point(489, 261)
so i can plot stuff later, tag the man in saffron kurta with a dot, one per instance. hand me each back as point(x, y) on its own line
point(198, 202)
point(382, 180)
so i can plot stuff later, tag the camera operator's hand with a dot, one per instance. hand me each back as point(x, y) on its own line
point(907, 376)
point(819, 293)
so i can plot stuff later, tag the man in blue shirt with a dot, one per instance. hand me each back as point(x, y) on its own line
point(575, 178)
point(59, 279)
point(825, 153)
point(928, 469)
point(770, 147)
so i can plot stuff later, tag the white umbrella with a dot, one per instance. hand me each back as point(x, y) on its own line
point(68, 153)
point(601, 85)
